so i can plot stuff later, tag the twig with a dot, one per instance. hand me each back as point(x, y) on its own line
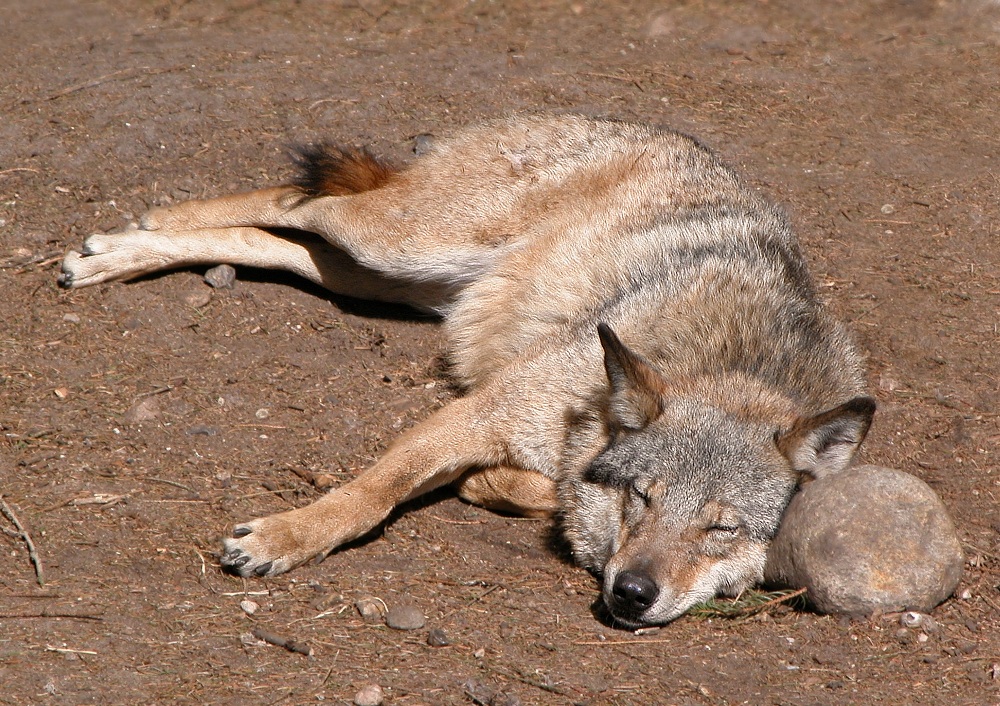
point(32, 554)
point(291, 645)
point(45, 261)
point(18, 264)
point(49, 614)
point(68, 651)
point(5, 172)
point(113, 76)
point(102, 499)
point(157, 391)
point(609, 643)
point(476, 599)
point(458, 522)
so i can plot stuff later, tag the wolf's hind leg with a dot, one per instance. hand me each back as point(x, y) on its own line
point(507, 489)
point(136, 252)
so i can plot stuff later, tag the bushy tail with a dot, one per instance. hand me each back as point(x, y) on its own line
point(327, 170)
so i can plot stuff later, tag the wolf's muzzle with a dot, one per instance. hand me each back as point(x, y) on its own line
point(632, 595)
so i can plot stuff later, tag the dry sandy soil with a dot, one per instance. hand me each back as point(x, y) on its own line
point(139, 421)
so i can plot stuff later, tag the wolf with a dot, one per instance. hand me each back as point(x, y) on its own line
point(641, 349)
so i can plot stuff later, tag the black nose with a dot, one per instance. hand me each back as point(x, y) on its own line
point(633, 593)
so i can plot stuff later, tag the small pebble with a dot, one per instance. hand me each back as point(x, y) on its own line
point(370, 695)
point(888, 209)
point(967, 648)
point(422, 144)
point(438, 638)
point(145, 410)
point(323, 481)
point(198, 298)
point(248, 640)
point(71, 318)
point(405, 617)
point(249, 607)
point(221, 276)
point(369, 610)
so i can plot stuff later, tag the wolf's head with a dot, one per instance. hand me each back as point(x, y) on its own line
point(683, 502)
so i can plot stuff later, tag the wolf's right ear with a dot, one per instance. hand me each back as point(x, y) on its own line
point(636, 388)
point(824, 444)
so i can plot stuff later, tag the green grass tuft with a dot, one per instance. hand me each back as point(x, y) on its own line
point(748, 603)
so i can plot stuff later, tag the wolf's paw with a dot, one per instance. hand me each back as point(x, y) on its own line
point(262, 547)
point(103, 257)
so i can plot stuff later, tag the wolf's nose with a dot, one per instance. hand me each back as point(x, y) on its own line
point(634, 592)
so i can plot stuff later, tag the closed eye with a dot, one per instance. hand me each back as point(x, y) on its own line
point(640, 493)
point(724, 527)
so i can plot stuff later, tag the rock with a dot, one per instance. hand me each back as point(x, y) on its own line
point(369, 610)
point(422, 144)
point(438, 638)
point(221, 276)
point(867, 540)
point(248, 640)
point(405, 617)
point(370, 695)
point(481, 693)
point(198, 298)
point(145, 410)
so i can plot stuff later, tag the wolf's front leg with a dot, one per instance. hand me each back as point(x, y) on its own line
point(432, 454)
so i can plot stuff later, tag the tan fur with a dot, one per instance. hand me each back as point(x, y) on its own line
point(529, 236)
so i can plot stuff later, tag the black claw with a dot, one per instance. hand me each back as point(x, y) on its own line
point(263, 568)
point(65, 280)
point(238, 563)
point(241, 532)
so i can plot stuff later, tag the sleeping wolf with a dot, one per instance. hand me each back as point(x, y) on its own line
point(642, 351)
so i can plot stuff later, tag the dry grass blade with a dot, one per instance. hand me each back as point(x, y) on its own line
point(749, 603)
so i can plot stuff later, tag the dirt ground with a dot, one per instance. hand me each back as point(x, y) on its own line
point(140, 421)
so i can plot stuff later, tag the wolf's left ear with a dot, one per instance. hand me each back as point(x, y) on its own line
point(636, 388)
point(826, 443)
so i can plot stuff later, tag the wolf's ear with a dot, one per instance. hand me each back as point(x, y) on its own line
point(825, 444)
point(636, 388)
